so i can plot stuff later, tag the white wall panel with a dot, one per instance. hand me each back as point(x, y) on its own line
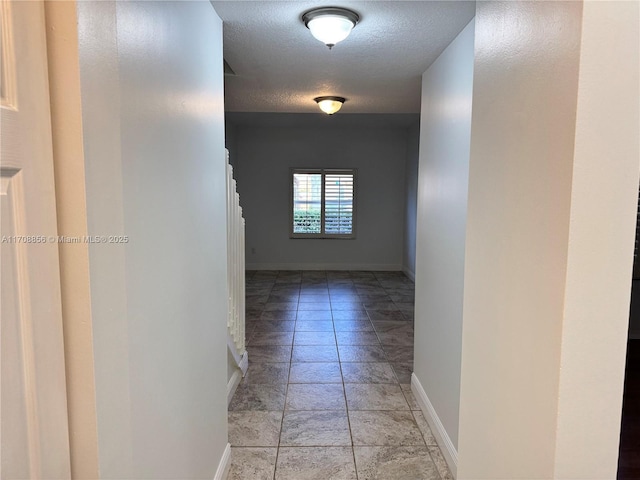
point(152, 89)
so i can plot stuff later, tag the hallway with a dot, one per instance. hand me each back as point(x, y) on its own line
point(327, 394)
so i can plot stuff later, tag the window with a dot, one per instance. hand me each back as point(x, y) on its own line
point(322, 203)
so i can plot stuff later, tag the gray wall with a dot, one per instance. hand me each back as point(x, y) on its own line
point(268, 145)
point(230, 143)
point(442, 215)
point(411, 200)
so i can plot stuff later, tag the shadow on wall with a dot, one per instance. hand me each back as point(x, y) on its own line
point(634, 314)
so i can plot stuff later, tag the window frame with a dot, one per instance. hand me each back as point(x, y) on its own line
point(323, 172)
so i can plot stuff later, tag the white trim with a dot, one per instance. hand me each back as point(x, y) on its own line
point(244, 363)
point(225, 463)
point(237, 357)
point(409, 273)
point(442, 437)
point(233, 383)
point(326, 266)
point(238, 375)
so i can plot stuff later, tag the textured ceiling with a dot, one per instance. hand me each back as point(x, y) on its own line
point(280, 67)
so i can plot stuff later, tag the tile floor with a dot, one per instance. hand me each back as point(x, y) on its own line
point(327, 393)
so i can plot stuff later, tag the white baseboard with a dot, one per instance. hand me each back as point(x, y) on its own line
point(225, 463)
point(380, 267)
point(409, 273)
point(449, 452)
point(233, 383)
point(244, 363)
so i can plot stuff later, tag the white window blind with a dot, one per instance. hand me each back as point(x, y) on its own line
point(338, 203)
point(323, 203)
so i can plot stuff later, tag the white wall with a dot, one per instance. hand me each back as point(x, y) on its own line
point(445, 132)
point(601, 241)
point(411, 200)
point(152, 106)
point(267, 146)
point(520, 182)
point(549, 243)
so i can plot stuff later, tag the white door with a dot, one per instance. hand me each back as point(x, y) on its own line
point(33, 412)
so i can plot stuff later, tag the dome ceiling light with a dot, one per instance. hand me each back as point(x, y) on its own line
point(330, 104)
point(330, 25)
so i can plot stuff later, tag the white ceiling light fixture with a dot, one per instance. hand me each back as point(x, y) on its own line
point(330, 104)
point(330, 25)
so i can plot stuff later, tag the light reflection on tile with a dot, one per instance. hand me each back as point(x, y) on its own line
point(357, 338)
point(314, 326)
point(314, 353)
point(352, 326)
point(314, 338)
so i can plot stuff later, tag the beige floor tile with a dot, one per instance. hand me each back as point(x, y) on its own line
point(269, 353)
point(395, 463)
point(368, 373)
point(403, 371)
point(254, 428)
point(325, 372)
point(370, 396)
point(301, 325)
point(315, 464)
point(250, 463)
point(258, 397)
point(424, 428)
point(440, 462)
point(362, 353)
point(274, 325)
point(315, 396)
point(315, 428)
point(384, 428)
point(271, 338)
point(408, 394)
point(267, 372)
